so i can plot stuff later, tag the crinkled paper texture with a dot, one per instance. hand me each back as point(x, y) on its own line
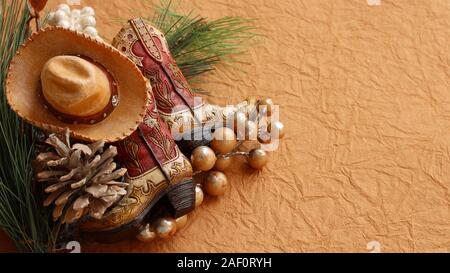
point(364, 94)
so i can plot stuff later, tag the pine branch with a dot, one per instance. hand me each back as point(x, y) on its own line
point(21, 215)
point(199, 45)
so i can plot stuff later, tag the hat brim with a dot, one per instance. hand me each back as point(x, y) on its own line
point(22, 88)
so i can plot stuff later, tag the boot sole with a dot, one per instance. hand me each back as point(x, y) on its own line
point(180, 201)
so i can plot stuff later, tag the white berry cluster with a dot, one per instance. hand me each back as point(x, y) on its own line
point(79, 20)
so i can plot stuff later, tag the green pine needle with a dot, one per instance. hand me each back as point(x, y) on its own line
point(21, 215)
point(199, 45)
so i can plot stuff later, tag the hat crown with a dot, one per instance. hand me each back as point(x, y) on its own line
point(75, 86)
point(73, 74)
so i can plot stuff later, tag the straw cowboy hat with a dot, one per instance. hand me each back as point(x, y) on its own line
point(65, 79)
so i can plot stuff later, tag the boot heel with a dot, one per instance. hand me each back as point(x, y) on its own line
point(181, 198)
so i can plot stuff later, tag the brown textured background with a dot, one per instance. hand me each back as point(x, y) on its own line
point(364, 93)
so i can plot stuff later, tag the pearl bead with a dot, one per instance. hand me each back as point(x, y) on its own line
point(203, 158)
point(88, 21)
point(266, 105)
point(216, 183)
point(181, 222)
point(146, 234)
point(64, 8)
point(276, 129)
point(199, 196)
point(88, 11)
point(258, 159)
point(222, 163)
point(224, 140)
point(91, 31)
point(165, 227)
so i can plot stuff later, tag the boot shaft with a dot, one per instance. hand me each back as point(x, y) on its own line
point(147, 47)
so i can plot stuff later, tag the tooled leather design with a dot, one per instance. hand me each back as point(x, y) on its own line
point(123, 40)
point(178, 77)
point(161, 89)
point(146, 180)
point(131, 160)
point(142, 190)
point(146, 36)
point(170, 86)
point(134, 153)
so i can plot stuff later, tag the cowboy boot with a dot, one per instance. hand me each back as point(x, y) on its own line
point(147, 47)
point(156, 168)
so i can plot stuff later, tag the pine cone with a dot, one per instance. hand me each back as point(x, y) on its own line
point(82, 175)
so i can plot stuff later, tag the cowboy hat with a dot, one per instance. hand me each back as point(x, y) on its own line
point(64, 79)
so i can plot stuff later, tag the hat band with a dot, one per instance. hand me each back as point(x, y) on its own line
point(93, 119)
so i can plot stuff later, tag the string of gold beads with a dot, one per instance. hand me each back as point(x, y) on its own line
point(214, 160)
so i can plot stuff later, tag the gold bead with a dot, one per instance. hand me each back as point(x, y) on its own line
point(266, 105)
point(257, 159)
point(146, 234)
point(181, 221)
point(277, 128)
point(224, 140)
point(203, 158)
point(222, 163)
point(216, 183)
point(165, 227)
point(198, 196)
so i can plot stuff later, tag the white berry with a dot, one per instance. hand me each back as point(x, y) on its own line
point(77, 26)
point(59, 16)
point(88, 11)
point(88, 21)
point(76, 13)
point(65, 8)
point(51, 18)
point(91, 31)
point(64, 24)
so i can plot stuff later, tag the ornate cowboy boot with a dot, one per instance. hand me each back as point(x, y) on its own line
point(147, 47)
point(156, 167)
